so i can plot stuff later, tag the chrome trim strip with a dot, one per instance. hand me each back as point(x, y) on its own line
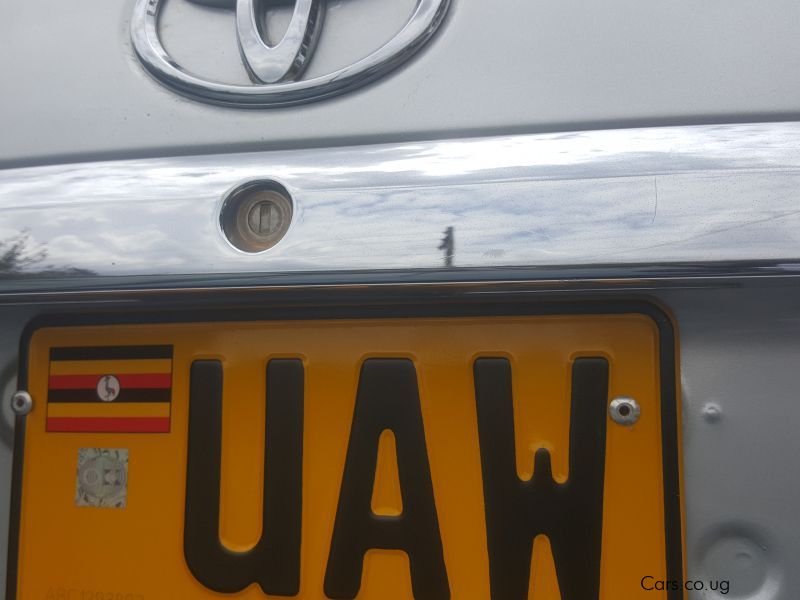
point(620, 205)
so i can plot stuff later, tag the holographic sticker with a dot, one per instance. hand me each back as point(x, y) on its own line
point(102, 477)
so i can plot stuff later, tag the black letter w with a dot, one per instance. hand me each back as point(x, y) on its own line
point(569, 514)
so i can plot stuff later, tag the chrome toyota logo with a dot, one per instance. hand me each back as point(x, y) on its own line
point(276, 70)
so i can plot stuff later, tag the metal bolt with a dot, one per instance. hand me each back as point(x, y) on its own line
point(21, 403)
point(712, 412)
point(624, 411)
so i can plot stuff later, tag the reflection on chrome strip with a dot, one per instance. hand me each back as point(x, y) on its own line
point(624, 201)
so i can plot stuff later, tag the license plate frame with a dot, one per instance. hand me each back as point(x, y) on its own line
point(667, 353)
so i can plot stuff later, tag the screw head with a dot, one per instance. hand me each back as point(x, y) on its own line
point(624, 410)
point(21, 403)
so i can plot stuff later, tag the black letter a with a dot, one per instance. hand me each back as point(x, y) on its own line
point(387, 398)
point(570, 514)
point(275, 561)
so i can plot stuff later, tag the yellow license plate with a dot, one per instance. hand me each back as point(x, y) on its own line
point(428, 458)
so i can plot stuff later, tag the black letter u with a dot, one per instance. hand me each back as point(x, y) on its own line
point(274, 563)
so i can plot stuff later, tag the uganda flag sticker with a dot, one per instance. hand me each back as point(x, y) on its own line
point(110, 389)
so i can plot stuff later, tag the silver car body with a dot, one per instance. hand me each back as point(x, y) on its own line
point(619, 148)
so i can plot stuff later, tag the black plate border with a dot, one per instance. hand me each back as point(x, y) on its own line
point(432, 307)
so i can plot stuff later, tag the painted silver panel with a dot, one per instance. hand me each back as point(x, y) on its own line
point(493, 68)
point(626, 202)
